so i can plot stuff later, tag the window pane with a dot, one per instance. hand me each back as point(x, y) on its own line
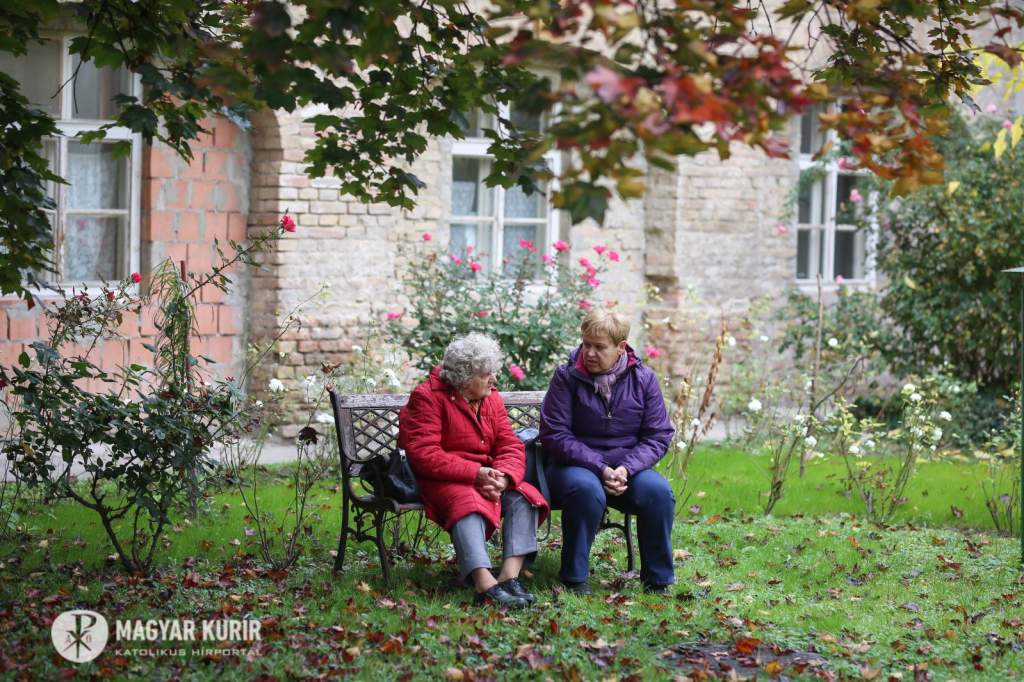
point(476, 235)
point(850, 254)
point(97, 179)
point(469, 195)
point(519, 204)
point(472, 123)
point(524, 120)
point(94, 90)
point(845, 207)
point(810, 137)
point(809, 256)
point(810, 203)
point(38, 72)
point(91, 247)
point(512, 252)
point(50, 154)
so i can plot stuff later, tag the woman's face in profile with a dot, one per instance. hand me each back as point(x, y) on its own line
point(600, 353)
point(479, 387)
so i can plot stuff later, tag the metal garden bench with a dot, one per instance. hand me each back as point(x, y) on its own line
point(367, 425)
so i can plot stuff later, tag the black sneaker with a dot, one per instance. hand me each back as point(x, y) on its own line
point(578, 588)
point(514, 587)
point(499, 595)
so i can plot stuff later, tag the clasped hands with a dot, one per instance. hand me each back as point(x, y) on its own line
point(614, 480)
point(491, 483)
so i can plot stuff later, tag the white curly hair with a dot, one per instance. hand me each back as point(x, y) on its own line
point(468, 356)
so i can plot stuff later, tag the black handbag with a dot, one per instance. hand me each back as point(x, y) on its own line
point(391, 476)
point(534, 461)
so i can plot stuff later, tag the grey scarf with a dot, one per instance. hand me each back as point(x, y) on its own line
point(603, 382)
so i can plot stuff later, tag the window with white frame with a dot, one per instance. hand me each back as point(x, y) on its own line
point(96, 216)
point(493, 220)
point(828, 195)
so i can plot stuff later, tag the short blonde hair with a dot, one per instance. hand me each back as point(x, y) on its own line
point(601, 321)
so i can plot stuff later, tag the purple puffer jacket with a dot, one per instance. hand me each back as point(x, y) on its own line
point(577, 427)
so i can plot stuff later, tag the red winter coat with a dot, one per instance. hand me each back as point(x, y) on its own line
point(446, 446)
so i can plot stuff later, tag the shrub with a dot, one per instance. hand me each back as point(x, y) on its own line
point(137, 449)
point(942, 250)
point(533, 308)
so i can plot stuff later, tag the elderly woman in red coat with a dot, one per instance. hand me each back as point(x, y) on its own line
point(469, 466)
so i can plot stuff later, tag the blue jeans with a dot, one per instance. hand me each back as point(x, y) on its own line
point(578, 492)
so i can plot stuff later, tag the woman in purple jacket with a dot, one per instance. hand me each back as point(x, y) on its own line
point(603, 426)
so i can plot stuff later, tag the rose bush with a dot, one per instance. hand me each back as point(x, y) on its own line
point(533, 307)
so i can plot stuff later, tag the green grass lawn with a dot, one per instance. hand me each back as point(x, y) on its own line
point(871, 601)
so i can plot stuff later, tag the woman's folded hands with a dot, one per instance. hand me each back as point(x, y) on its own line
point(614, 480)
point(491, 483)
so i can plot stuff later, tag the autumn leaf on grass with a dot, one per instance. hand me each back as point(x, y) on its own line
point(911, 606)
point(363, 587)
point(680, 554)
point(736, 587)
point(747, 645)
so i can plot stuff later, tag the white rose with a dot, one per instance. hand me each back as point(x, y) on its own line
point(833, 342)
point(357, 349)
point(915, 397)
point(855, 451)
point(258, 404)
point(275, 386)
point(324, 418)
point(799, 418)
point(955, 388)
point(909, 388)
point(695, 423)
point(916, 431)
point(764, 339)
point(754, 405)
point(869, 443)
point(945, 416)
point(810, 441)
point(371, 382)
point(730, 341)
point(937, 433)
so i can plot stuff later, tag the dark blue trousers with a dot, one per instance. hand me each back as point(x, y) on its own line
point(578, 492)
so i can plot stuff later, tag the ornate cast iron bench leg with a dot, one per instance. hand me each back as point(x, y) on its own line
point(339, 560)
point(626, 528)
point(385, 564)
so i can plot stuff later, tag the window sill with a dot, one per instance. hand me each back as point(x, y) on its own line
point(810, 286)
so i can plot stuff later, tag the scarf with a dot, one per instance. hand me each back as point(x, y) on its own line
point(603, 382)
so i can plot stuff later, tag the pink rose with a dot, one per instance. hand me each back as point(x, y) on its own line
point(469, 250)
point(427, 236)
point(594, 282)
point(613, 256)
point(475, 267)
point(517, 372)
point(136, 277)
point(991, 109)
point(585, 304)
point(456, 259)
point(600, 249)
point(855, 196)
point(394, 316)
point(652, 352)
point(547, 259)
point(591, 270)
point(560, 246)
point(840, 279)
point(781, 229)
point(483, 313)
point(287, 224)
point(1007, 124)
point(844, 163)
point(585, 263)
point(528, 245)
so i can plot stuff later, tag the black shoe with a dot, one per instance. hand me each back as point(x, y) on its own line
point(657, 589)
point(499, 595)
point(578, 588)
point(515, 588)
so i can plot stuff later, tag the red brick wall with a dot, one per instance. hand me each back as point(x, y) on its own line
point(185, 206)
